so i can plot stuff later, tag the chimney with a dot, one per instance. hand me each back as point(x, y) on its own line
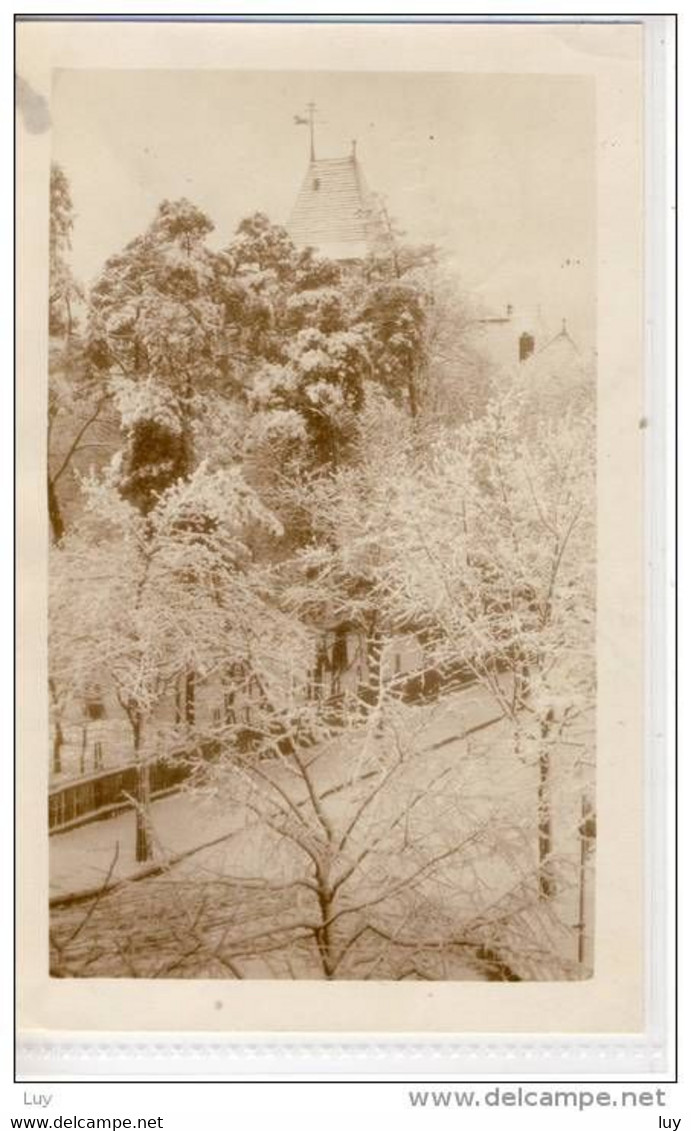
point(353, 150)
point(526, 346)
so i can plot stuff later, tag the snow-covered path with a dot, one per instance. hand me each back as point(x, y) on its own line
point(82, 858)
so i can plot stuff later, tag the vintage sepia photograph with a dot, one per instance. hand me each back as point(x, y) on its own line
point(321, 489)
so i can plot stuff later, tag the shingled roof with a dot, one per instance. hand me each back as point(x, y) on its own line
point(334, 212)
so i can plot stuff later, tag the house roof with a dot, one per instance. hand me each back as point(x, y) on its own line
point(334, 211)
point(560, 355)
point(557, 372)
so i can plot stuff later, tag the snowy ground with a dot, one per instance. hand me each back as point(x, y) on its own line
point(82, 858)
point(491, 785)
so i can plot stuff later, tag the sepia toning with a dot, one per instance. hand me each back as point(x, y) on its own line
point(322, 603)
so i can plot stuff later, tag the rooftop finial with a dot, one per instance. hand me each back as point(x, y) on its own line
point(308, 121)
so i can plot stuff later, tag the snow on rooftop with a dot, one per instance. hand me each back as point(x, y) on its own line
point(335, 212)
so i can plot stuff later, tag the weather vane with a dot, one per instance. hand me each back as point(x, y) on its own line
point(308, 121)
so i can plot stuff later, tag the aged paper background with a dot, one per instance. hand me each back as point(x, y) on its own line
point(613, 1000)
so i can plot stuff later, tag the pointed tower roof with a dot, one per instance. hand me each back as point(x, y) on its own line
point(335, 213)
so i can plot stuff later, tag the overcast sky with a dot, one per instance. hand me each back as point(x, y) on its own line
point(497, 169)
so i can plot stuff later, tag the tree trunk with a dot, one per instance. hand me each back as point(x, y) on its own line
point(581, 890)
point(58, 734)
point(375, 648)
point(57, 524)
point(82, 752)
point(586, 831)
point(412, 395)
point(190, 698)
point(323, 934)
point(58, 742)
point(321, 672)
point(546, 882)
point(522, 685)
point(143, 849)
point(339, 659)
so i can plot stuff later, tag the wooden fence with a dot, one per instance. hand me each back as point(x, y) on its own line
point(106, 792)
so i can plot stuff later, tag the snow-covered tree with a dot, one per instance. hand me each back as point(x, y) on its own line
point(394, 312)
point(157, 334)
point(335, 577)
point(78, 424)
point(490, 546)
point(144, 599)
point(65, 291)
